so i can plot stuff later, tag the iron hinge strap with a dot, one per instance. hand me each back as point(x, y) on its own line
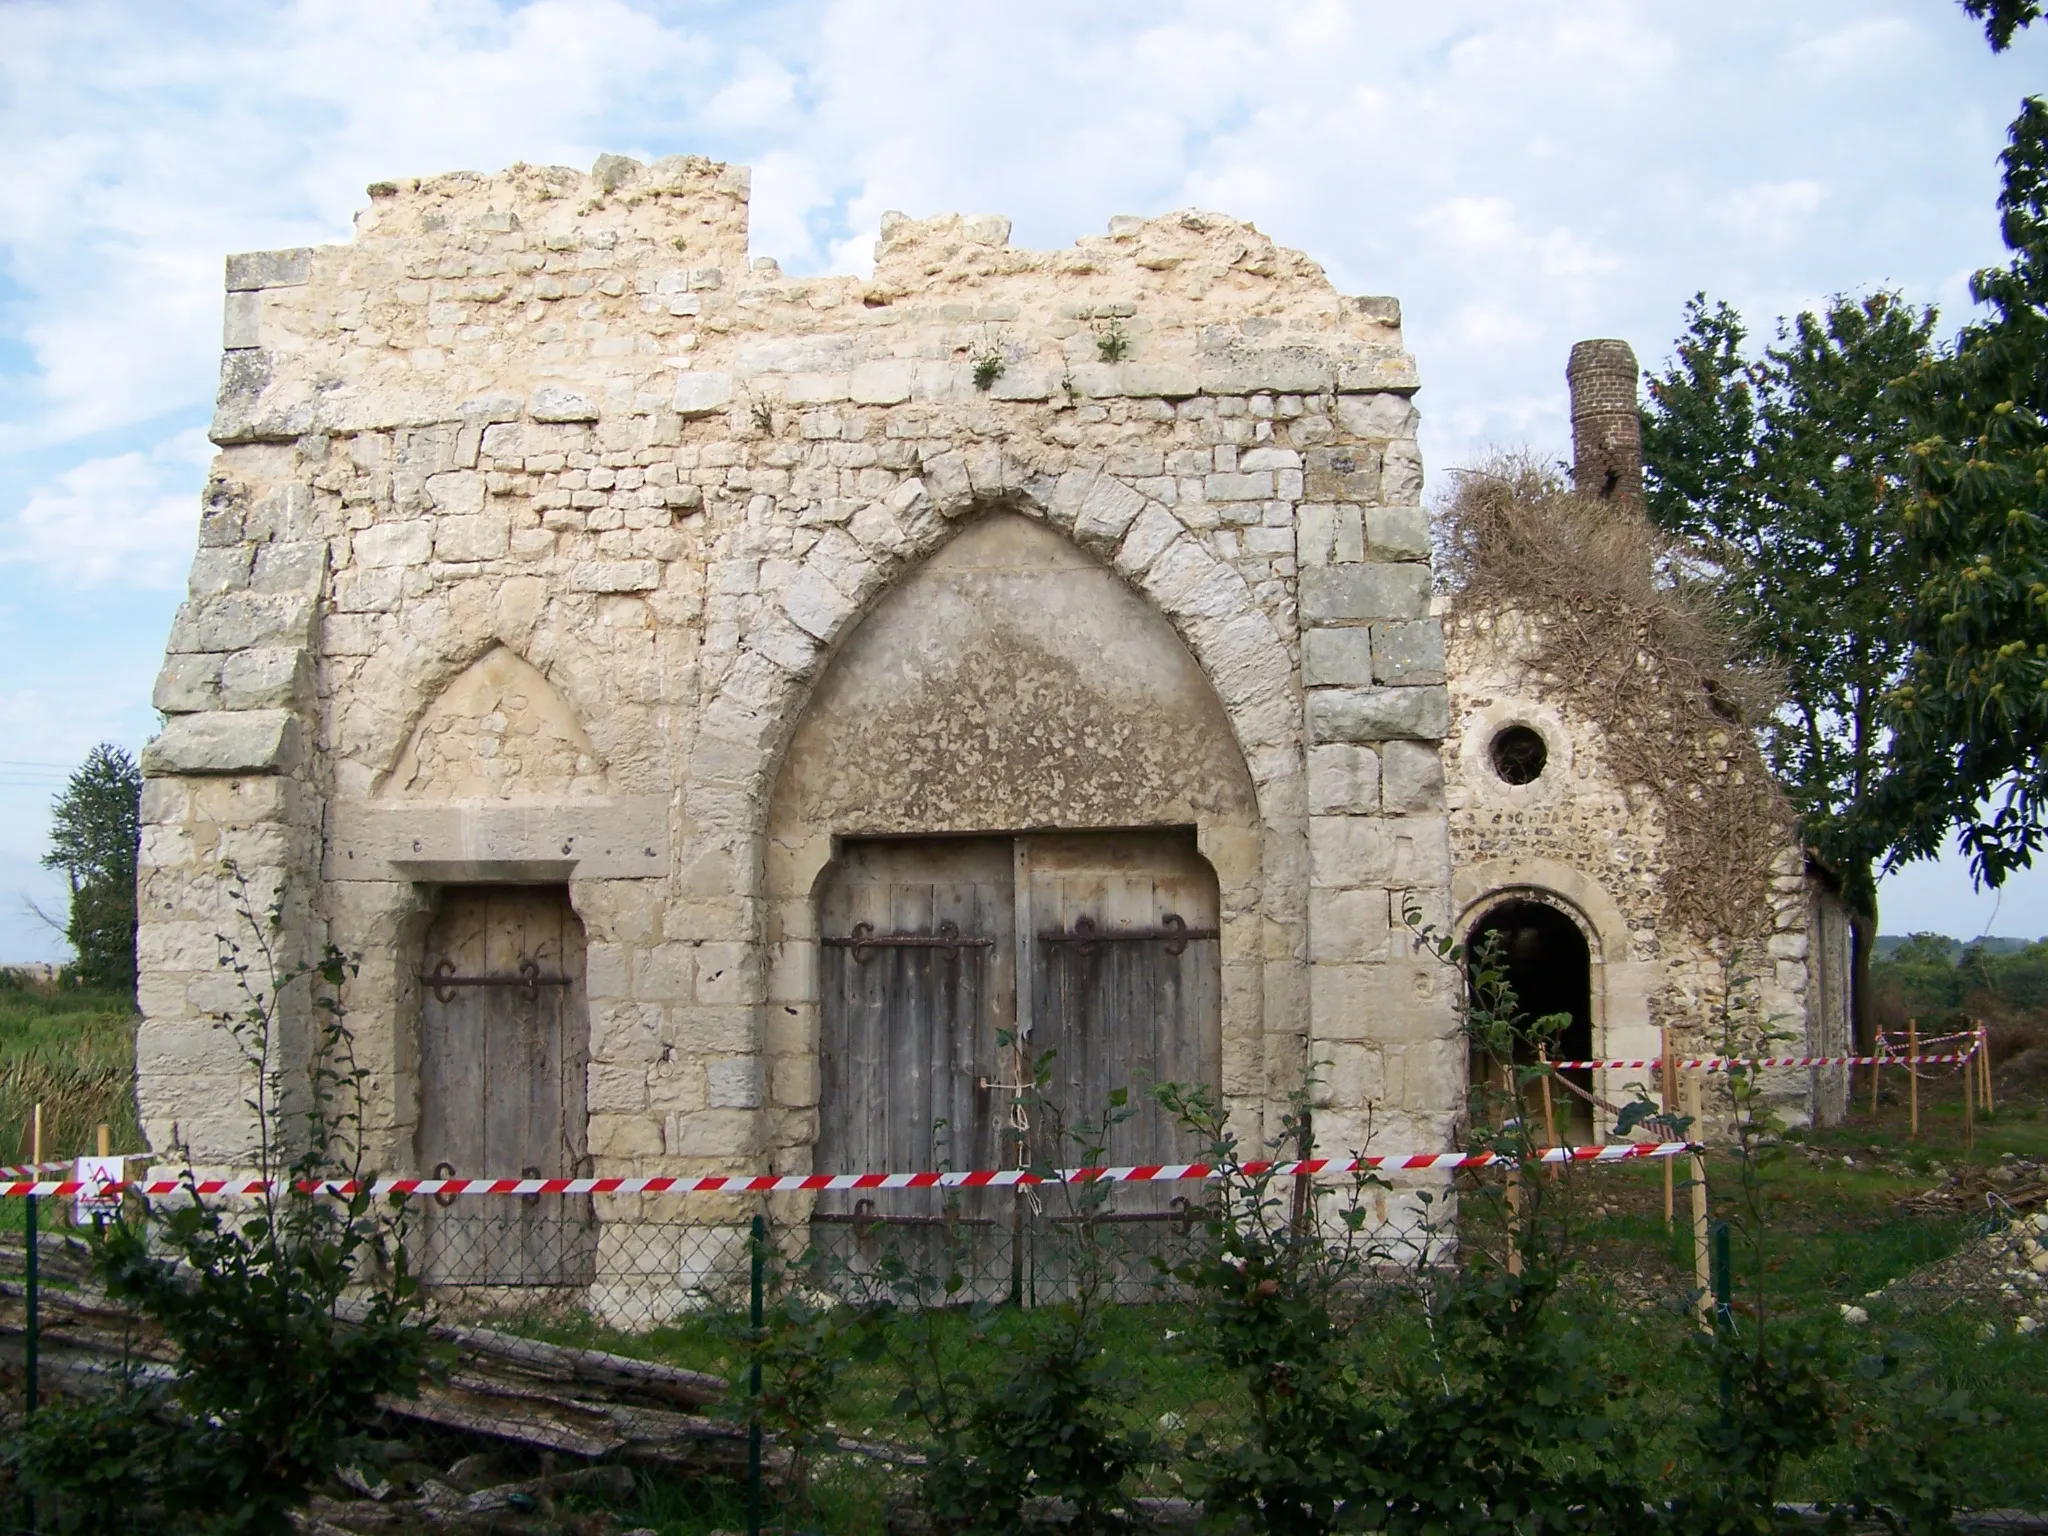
point(863, 939)
point(1172, 931)
point(443, 979)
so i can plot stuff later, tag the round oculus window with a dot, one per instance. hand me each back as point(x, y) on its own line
point(1519, 754)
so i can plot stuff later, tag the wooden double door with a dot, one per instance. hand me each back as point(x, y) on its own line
point(983, 998)
point(504, 1049)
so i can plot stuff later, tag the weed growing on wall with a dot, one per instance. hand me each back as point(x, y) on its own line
point(1112, 342)
point(989, 365)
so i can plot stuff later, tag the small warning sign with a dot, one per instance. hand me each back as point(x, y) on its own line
point(102, 1178)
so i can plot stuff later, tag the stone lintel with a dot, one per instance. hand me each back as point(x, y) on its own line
point(621, 839)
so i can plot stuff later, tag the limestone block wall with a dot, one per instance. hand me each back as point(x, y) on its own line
point(1583, 841)
point(541, 508)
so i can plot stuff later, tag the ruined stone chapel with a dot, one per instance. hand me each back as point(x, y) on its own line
point(732, 717)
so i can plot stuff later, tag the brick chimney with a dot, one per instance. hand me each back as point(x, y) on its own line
point(1607, 431)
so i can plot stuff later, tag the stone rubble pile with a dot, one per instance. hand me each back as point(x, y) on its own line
point(2007, 1267)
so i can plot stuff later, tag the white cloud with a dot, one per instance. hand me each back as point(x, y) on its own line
point(146, 143)
point(1771, 213)
point(1520, 176)
point(786, 190)
point(1860, 48)
point(127, 520)
point(760, 92)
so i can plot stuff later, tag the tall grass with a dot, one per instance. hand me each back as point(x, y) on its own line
point(72, 1051)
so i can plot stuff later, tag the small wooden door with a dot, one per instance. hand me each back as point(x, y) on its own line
point(504, 1050)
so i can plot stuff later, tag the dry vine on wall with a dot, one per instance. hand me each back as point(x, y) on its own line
point(1647, 661)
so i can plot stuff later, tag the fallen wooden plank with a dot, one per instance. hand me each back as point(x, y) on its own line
point(598, 1367)
point(576, 1426)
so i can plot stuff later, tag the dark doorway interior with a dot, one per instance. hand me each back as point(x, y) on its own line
point(1551, 970)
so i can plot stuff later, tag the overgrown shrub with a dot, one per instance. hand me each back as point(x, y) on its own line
point(1055, 1423)
point(289, 1315)
point(1515, 1421)
point(1271, 1286)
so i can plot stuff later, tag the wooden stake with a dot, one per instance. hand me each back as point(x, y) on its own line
point(35, 1135)
point(1913, 1077)
point(1984, 1047)
point(1668, 1095)
point(1876, 1056)
point(1515, 1222)
point(1969, 1104)
point(106, 1143)
point(1702, 1260)
point(1549, 1111)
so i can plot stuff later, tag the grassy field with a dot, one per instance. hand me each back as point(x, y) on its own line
point(73, 1052)
point(1834, 1234)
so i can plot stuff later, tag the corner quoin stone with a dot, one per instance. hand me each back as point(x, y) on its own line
point(244, 741)
point(1378, 714)
point(1337, 593)
point(269, 269)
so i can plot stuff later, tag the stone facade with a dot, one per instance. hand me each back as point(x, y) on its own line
point(547, 540)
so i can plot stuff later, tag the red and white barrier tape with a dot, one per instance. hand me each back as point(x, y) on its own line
point(793, 1183)
point(30, 1170)
point(1723, 1063)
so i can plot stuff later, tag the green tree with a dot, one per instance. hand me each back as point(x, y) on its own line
point(1923, 949)
point(2003, 18)
point(95, 835)
point(1971, 715)
point(1967, 719)
point(1788, 471)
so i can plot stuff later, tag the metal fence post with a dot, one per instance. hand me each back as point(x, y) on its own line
point(754, 1388)
point(1724, 1310)
point(31, 1339)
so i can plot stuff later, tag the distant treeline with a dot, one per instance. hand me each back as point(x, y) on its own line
point(1934, 979)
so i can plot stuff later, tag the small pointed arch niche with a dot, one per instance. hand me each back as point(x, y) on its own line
point(499, 731)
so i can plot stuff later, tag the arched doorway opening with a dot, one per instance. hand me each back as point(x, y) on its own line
point(1013, 818)
point(1550, 968)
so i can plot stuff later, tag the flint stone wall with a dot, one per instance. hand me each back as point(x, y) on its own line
point(540, 509)
point(1584, 841)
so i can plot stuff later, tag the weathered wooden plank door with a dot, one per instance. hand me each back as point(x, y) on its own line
point(1126, 993)
point(920, 942)
point(1126, 985)
point(504, 1050)
point(916, 982)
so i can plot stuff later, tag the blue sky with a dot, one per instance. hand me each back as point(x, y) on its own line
point(1520, 174)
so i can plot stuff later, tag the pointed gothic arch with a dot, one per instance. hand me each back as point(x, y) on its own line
point(1014, 657)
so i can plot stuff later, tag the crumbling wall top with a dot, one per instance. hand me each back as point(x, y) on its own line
point(570, 296)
